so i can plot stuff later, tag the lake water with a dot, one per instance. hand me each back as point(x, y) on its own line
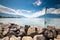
point(32, 21)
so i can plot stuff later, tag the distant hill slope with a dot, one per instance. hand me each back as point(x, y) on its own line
point(10, 15)
point(49, 15)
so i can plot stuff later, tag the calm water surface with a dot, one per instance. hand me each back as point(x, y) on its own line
point(32, 21)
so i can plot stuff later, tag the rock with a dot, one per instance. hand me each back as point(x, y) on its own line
point(19, 38)
point(22, 32)
point(13, 38)
point(31, 30)
point(39, 30)
point(6, 30)
point(58, 37)
point(1, 24)
point(26, 28)
point(27, 38)
point(17, 26)
point(0, 29)
point(39, 37)
point(12, 27)
point(6, 38)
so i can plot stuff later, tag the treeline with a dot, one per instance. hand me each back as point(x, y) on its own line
point(6, 17)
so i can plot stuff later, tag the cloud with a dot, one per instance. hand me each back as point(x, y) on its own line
point(4, 9)
point(42, 12)
point(53, 10)
point(7, 10)
point(38, 3)
point(25, 13)
point(38, 13)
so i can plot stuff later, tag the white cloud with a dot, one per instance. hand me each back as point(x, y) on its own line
point(38, 13)
point(7, 10)
point(4, 9)
point(53, 10)
point(35, 14)
point(38, 3)
point(26, 11)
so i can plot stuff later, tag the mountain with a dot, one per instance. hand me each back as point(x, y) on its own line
point(49, 15)
point(10, 15)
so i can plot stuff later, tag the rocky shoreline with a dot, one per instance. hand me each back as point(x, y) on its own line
point(11, 31)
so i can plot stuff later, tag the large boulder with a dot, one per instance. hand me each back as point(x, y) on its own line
point(13, 38)
point(1, 24)
point(22, 32)
point(0, 29)
point(19, 38)
point(26, 28)
point(17, 26)
point(39, 29)
point(31, 30)
point(6, 38)
point(39, 37)
point(27, 38)
point(12, 27)
point(6, 30)
point(58, 37)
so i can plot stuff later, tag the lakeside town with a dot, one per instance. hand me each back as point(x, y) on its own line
point(11, 31)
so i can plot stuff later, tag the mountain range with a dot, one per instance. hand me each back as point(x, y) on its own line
point(47, 15)
point(10, 15)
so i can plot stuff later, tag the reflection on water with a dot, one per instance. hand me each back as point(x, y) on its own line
point(32, 21)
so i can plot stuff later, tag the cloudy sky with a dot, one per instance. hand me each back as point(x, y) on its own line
point(29, 8)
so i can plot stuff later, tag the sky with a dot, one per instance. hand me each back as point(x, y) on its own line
point(29, 8)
